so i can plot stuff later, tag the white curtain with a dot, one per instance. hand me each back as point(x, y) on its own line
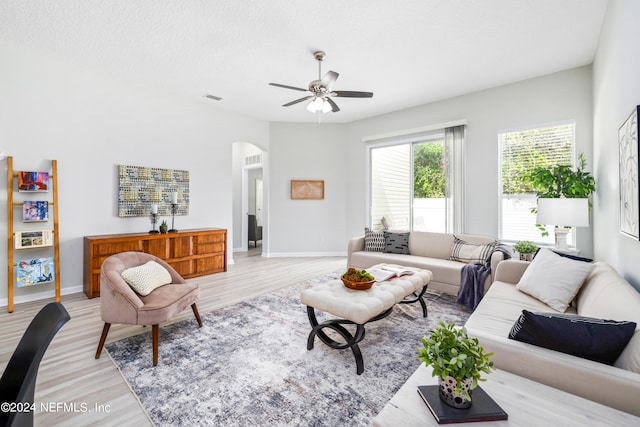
point(454, 140)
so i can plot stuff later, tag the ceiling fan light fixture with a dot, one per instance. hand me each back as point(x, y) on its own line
point(319, 104)
point(322, 91)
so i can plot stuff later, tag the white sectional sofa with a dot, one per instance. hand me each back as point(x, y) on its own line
point(604, 295)
point(429, 251)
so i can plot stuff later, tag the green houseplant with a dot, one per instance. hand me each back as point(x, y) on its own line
point(455, 358)
point(164, 227)
point(562, 181)
point(526, 249)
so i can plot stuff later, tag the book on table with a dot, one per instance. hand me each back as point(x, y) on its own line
point(387, 272)
point(483, 407)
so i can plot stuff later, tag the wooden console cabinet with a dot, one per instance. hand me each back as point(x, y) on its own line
point(191, 253)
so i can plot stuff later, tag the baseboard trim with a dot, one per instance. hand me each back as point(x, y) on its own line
point(4, 302)
point(301, 254)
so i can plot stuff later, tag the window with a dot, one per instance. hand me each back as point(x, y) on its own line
point(520, 152)
point(412, 184)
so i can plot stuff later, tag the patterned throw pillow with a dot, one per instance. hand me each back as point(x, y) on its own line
point(396, 243)
point(471, 253)
point(146, 277)
point(373, 240)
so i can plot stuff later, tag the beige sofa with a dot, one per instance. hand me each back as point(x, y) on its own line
point(604, 295)
point(427, 250)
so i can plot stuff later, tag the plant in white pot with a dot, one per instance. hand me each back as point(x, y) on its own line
point(526, 249)
point(458, 360)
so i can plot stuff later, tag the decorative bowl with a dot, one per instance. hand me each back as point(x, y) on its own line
point(358, 286)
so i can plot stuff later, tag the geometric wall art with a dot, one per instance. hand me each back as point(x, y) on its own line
point(140, 188)
point(628, 170)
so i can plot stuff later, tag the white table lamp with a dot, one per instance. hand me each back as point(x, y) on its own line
point(563, 213)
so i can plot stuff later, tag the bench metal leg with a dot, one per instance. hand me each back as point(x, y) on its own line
point(351, 341)
point(415, 297)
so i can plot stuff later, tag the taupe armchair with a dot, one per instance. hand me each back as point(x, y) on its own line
point(255, 231)
point(120, 304)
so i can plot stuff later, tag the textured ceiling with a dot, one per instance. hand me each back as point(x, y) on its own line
point(407, 52)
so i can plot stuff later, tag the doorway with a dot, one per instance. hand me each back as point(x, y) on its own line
point(254, 196)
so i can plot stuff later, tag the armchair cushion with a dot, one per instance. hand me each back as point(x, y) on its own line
point(146, 277)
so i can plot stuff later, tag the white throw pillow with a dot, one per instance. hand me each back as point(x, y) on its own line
point(553, 279)
point(146, 277)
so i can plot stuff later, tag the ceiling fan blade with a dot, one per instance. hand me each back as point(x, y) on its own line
point(329, 78)
point(298, 100)
point(334, 106)
point(288, 87)
point(352, 94)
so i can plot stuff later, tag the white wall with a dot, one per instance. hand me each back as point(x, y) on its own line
point(557, 97)
point(89, 122)
point(308, 227)
point(616, 91)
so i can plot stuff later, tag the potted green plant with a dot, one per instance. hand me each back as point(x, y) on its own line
point(458, 360)
point(526, 249)
point(561, 181)
point(164, 227)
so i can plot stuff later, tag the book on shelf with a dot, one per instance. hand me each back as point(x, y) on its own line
point(35, 271)
point(483, 407)
point(387, 272)
point(33, 239)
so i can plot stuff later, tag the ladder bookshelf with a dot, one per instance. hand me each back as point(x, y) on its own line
point(30, 244)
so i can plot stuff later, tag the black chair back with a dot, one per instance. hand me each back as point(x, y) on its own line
point(255, 231)
point(18, 381)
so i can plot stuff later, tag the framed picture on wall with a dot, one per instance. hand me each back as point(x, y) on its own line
point(307, 189)
point(629, 190)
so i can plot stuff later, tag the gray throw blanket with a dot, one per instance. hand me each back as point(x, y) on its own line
point(472, 280)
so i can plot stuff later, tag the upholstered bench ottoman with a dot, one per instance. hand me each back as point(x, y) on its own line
point(358, 307)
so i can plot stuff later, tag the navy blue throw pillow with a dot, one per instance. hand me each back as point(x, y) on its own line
point(562, 254)
point(586, 337)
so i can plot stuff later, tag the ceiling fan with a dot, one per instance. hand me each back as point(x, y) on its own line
point(321, 90)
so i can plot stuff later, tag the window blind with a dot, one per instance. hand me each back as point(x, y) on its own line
point(391, 185)
point(520, 152)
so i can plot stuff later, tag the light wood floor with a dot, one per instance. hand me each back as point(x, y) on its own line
point(69, 373)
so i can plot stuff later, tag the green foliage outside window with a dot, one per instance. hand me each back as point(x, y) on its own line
point(428, 169)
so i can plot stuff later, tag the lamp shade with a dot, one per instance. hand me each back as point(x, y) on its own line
point(563, 212)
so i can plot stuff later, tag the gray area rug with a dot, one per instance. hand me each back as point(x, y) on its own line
point(249, 366)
